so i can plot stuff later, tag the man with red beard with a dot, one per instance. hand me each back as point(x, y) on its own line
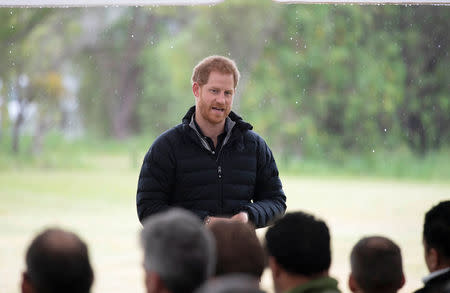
point(212, 164)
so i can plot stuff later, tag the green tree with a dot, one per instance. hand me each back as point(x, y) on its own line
point(423, 34)
point(17, 26)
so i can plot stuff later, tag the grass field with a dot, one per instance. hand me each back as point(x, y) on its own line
point(100, 206)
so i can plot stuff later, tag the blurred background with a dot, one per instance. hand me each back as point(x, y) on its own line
point(353, 100)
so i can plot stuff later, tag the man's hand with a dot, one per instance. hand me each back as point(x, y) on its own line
point(242, 217)
point(211, 220)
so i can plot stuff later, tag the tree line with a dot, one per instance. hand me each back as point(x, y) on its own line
point(315, 78)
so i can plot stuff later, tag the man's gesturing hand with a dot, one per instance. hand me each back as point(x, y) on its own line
point(242, 217)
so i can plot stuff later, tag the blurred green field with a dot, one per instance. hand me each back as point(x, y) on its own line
point(99, 204)
point(97, 153)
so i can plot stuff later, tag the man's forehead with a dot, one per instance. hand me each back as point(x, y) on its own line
point(216, 77)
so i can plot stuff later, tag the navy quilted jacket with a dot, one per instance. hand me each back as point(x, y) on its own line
point(181, 170)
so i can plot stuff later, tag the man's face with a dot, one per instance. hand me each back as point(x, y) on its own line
point(215, 98)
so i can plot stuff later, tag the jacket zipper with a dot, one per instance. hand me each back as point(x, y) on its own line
point(219, 175)
point(219, 167)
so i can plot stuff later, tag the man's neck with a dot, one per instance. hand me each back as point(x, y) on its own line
point(291, 281)
point(208, 129)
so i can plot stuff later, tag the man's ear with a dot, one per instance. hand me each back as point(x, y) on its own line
point(154, 283)
point(403, 282)
point(352, 283)
point(196, 89)
point(26, 286)
point(274, 267)
point(432, 259)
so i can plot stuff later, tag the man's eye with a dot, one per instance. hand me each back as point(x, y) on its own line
point(228, 93)
point(213, 91)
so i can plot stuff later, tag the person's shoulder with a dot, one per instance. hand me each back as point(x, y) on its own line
point(251, 135)
point(166, 140)
point(170, 134)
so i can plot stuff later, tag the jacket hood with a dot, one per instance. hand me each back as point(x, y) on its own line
point(240, 123)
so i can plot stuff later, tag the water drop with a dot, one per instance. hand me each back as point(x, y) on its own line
point(373, 151)
point(385, 130)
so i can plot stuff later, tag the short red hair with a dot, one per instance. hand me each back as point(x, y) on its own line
point(220, 64)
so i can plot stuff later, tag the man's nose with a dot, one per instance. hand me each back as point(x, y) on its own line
point(221, 98)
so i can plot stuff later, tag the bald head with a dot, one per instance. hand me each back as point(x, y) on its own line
point(376, 264)
point(58, 261)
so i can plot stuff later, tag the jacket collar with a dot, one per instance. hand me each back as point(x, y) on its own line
point(240, 123)
point(317, 285)
point(440, 274)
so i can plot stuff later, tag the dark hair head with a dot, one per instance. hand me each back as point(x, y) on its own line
point(220, 64)
point(300, 244)
point(377, 265)
point(58, 261)
point(238, 249)
point(436, 229)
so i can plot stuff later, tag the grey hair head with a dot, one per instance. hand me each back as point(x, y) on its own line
point(179, 248)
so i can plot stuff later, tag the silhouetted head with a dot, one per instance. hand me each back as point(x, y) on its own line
point(179, 252)
point(238, 249)
point(57, 261)
point(376, 264)
point(436, 236)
